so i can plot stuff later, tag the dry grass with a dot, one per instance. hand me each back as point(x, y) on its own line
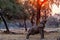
point(48, 36)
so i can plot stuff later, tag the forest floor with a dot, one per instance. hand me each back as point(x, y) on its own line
point(22, 35)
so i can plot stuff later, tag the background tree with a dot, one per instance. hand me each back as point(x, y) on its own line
point(11, 9)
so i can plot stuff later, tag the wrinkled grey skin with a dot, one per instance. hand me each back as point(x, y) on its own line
point(36, 30)
point(32, 31)
point(58, 38)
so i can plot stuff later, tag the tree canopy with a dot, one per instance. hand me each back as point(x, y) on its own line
point(12, 9)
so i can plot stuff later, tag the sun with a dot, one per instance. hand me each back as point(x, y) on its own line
point(55, 9)
point(41, 0)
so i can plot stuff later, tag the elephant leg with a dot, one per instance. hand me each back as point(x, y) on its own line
point(27, 37)
point(28, 34)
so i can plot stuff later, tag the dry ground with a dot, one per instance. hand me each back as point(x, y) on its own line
point(48, 36)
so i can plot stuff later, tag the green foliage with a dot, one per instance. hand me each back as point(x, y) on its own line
point(13, 9)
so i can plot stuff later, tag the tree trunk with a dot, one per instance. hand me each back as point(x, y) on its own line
point(7, 29)
point(38, 19)
point(25, 25)
point(32, 20)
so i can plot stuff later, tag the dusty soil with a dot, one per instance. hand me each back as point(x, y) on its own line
point(22, 36)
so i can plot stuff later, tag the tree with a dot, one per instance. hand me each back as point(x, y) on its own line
point(4, 4)
point(7, 29)
point(31, 11)
point(11, 9)
point(40, 6)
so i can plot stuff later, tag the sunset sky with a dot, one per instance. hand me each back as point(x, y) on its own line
point(55, 9)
